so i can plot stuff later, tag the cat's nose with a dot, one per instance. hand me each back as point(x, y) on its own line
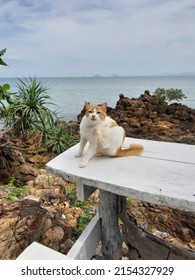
point(93, 117)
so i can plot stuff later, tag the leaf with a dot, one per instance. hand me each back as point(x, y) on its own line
point(2, 62)
point(6, 87)
point(2, 52)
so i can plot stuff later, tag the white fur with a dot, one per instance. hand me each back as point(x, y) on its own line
point(103, 139)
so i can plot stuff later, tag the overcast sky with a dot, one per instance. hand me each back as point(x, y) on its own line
point(88, 37)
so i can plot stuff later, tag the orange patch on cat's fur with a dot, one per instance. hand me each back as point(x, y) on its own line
point(133, 150)
point(113, 124)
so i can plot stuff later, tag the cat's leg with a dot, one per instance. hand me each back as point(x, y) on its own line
point(101, 139)
point(83, 142)
point(89, 154)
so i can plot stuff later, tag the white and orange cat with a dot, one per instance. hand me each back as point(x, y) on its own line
point(104, 136)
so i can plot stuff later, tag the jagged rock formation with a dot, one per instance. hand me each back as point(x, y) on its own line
point(146, 117)
point(12, 160)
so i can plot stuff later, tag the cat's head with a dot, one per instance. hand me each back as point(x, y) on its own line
point(95, 113)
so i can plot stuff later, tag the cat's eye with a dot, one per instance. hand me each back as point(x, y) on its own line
point(98, 112)
point(90, 112)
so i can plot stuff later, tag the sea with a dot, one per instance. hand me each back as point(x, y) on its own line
point(70, 93)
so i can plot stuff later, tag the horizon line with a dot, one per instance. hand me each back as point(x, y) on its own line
point(105, 76)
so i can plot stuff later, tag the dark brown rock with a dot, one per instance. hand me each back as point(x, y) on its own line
point(21, 223)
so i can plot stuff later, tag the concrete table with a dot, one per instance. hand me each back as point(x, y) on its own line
point(164, 174)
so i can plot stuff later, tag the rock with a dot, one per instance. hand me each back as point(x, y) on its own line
point(53, 237)
point(185, 231)
point(66, 246)
point(21, 223)
point(70, 221)
point(186, 234)
point(44, 182)
point(192, 244)
point(36, 159)
point(163, 218)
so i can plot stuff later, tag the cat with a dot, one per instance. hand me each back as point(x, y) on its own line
point(104, 135)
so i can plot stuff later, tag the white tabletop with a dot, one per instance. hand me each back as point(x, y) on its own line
point(164, 174)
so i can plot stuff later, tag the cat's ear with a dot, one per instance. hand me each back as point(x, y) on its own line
point(104, 106)
point(87, 105)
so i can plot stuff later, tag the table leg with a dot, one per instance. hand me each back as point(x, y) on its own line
point(109, 208)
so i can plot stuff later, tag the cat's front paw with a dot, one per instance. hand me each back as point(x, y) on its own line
point(83, 164)
point(77, 155)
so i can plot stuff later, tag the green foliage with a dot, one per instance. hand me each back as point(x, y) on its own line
point(72, 194)
point(82, 223)
point(5, 94)
point(60, 138)
point(168, 95)
point(85, 217)
point(2, 52)
point(17, 190)
point(4, 90)
point(28, 112)
point(130, 202)
point(165, 96)
point(13, 182)
point(29, 107)
point(48, 181)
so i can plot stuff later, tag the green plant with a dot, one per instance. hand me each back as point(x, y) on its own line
point(82, 223)
point(165, 96)
point(16, 189)
point(48, 181)
point(60, 138)
point(13, 182)
point(5, 94)
point(72, 194)
point(4, 90)
point(129, 202)
point(168, 95)
point(85, 217)
point(2, 52)
point(29, 107)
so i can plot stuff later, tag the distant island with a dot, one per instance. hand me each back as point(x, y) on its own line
point(160, 75)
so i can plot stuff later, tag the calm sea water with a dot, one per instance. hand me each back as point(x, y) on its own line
point(71, 93)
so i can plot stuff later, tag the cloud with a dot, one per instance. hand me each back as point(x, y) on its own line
point(88, 37)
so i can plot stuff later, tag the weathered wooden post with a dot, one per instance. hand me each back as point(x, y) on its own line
point(109, 208)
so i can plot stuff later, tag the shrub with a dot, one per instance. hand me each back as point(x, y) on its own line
point(168, 95)
point(29, 106)
point(165, 96)
point(60, 138)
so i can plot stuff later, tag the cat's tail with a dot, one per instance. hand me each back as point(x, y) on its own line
point(133, 150)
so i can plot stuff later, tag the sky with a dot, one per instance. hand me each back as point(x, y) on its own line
point(71, 38)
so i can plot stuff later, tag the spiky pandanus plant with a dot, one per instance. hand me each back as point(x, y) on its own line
point(29, 107)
